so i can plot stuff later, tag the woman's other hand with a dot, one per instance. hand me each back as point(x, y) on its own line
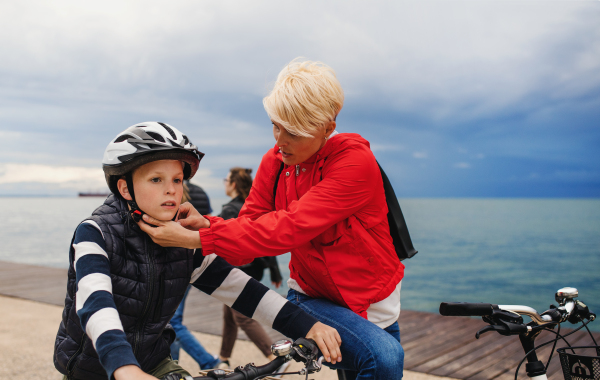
point(190, 218)
point(169, 234)
point(328, 340)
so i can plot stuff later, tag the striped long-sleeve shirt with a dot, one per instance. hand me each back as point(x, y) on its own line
point(100, 319)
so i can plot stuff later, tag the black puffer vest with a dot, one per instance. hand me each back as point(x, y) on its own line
point(148, 284)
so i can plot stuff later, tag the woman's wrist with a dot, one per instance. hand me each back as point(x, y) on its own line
point(193, 240)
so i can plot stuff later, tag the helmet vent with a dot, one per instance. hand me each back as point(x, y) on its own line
point(122, 138)
point(185, 140)
point(173, 135)
point(156, 136)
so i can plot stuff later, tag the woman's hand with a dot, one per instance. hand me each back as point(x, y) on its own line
point(131, 372)
point(190, 218)
point(169, 234)
point(328, 340)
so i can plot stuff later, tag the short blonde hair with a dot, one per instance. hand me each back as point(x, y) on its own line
point(306, 95)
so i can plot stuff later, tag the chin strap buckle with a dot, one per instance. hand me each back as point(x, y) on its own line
point(136, 215)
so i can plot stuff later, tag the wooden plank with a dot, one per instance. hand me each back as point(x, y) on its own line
point(430, 328)
point(471, 345)
point(436, 347)
point(481, 362)
point(471, 356)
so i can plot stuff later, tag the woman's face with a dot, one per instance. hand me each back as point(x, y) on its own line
point(297, 149)
point(229, 186)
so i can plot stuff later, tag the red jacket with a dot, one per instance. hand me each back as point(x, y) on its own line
point(330, 212)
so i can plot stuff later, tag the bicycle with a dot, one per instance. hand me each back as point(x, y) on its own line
point(302, 350)
point(508, 320)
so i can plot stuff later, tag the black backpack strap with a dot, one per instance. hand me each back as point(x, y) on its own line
point(277, 182)
point(398, 229)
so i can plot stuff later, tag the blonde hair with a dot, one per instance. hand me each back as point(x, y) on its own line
point(305, 96)
point(186, 193)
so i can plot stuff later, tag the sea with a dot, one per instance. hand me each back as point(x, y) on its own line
point(500, 251)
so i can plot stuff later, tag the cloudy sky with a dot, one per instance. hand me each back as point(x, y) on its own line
point(458, 98)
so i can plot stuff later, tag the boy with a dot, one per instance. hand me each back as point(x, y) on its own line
point(123, 289)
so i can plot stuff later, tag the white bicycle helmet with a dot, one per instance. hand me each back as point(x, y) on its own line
point(147, 142)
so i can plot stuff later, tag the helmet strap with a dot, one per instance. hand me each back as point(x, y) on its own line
point(136, 213)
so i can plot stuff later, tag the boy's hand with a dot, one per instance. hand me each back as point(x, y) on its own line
point(169, 234)
point(190, 218)
point(328, 340)
point(131, 372)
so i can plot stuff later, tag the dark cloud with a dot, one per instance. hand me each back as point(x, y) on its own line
point(457, 98)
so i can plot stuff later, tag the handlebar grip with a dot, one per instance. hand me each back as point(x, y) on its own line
point(466, 309)
point(251, 372)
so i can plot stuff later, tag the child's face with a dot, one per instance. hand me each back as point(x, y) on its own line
point(158, 188)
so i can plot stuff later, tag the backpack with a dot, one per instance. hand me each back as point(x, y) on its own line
point(398, 229)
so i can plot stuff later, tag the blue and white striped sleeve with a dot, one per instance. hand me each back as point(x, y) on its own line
point(94, 304)
point(216, 277)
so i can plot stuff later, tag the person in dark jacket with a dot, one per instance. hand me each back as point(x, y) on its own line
point(123, 289)
point(237, 186)
point(197, 197)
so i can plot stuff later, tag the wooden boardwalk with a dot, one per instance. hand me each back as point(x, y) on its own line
point(443, 346)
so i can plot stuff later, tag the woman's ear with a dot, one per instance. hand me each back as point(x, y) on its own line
point(122, 186)
point(329, 128)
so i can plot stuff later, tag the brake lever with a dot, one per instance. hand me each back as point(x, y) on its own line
point(312, 366)
point(504, 323)
point(499, 329)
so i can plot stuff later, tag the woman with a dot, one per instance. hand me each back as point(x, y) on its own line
point(319, 195)
point(237, 186)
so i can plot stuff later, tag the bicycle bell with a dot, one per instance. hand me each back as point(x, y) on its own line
point(564, 295)
point(282, 347)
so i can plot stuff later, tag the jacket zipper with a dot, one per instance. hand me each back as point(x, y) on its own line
point(297, 170)
point(138, 332)
point(161, 294)
point(75, 355)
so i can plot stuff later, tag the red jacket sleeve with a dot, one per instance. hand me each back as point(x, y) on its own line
point(347, 186)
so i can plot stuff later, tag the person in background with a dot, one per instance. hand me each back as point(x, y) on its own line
point(197, 197)
point(237, 186)
point(185, 339)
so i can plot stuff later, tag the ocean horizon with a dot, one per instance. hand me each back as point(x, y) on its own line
point(496, 250)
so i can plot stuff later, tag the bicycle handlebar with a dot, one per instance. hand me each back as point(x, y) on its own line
point(569, 309)
point(469, 309)
point(507, 320)
point(302, 350)
point(247, 372)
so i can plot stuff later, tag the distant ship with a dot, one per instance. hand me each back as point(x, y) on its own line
point(90, 194)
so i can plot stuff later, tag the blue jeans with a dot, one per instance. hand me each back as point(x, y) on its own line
point(188, 342)
point(368, 351)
